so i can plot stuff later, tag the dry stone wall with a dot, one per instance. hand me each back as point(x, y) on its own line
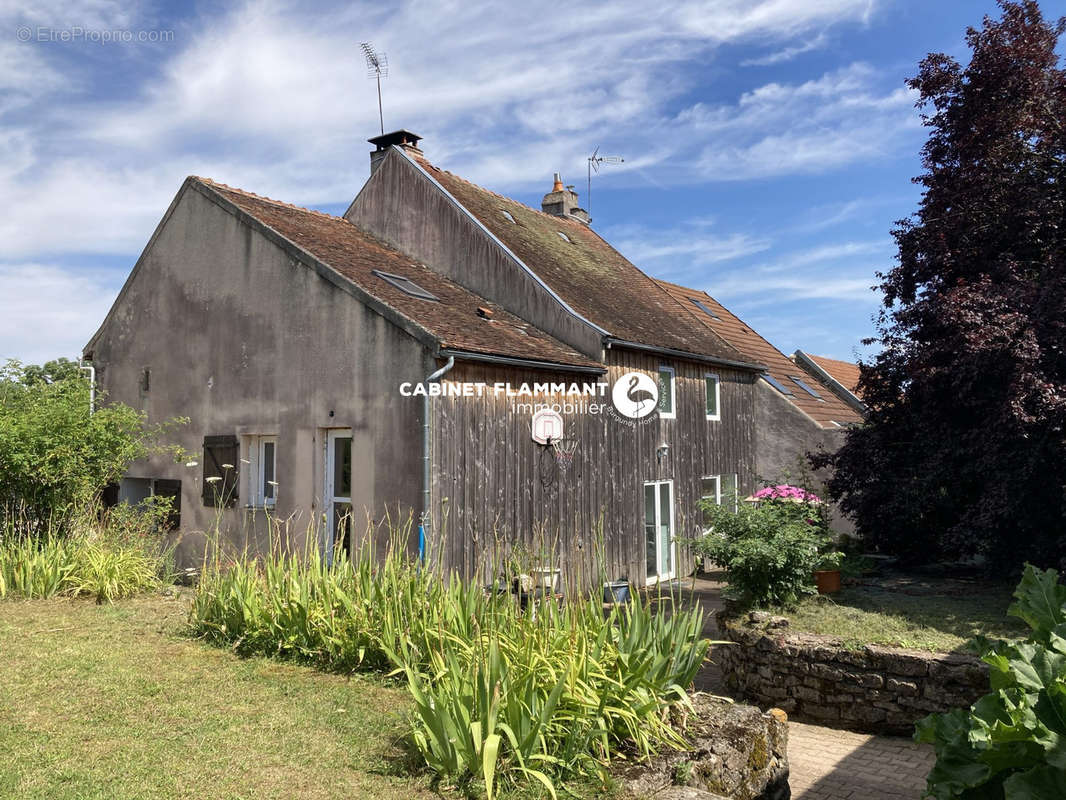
point(815, 678)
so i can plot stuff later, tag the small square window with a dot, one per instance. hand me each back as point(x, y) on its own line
point(712, 392)
point(666, 392)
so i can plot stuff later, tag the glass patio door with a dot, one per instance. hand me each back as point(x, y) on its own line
point(659, 530)
point(338, 494)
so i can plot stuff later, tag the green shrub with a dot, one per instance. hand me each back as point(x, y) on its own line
point(1011, 744)
point(769, 550)
point(55, 456)
point(502, 695)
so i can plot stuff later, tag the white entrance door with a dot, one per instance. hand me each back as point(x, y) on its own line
point(338, 493)
point(659, 530)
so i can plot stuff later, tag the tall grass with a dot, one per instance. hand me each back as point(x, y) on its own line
point(501, 694)
point(103, 556)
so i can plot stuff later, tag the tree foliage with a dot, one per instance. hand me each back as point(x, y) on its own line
point(964, 451)
point(54, 455)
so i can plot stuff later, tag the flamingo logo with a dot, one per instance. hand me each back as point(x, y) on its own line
point(635, 395)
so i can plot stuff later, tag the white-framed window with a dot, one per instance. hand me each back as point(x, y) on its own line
point(712, 391)
point(716, 490)
point(261, 455)
point(659, 530)
point(667, 400)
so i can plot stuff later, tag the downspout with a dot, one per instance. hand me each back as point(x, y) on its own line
point(425, 459)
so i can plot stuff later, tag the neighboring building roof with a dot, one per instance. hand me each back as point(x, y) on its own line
point(593, 278)
point(840, 376)
point(827, 410)
point(458, 318)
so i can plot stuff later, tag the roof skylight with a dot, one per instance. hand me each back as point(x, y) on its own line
point(800, 383)
point(406, 285)
point(507, 214)
point(703, 307)
point(770, 379)
point(563, 236)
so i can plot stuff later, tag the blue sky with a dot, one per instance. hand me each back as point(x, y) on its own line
point(768, 145)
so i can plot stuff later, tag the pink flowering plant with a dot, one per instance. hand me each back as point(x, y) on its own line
point(784, 491)
point(769, 547)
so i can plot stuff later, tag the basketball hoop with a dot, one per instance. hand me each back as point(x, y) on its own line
point(564, 450)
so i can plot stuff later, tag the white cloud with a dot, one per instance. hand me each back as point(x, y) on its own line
point(690, 245)
point(837, 119)
point(270, 97)
point(47, 311)
point(787, 53)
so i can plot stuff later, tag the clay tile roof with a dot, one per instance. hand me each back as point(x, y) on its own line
point(826, 411)
point(593, 278)
point(843, 372)
point(454, 321)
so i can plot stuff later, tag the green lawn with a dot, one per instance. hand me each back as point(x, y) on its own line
point(920, 617)
point(113, 702)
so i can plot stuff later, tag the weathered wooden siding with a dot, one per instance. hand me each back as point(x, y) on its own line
point(487, 492)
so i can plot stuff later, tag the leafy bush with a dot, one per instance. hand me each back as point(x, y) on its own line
point(55, 456)
point(89, 559)
point(769, 549)
point(1011, 744)
point(501, 694)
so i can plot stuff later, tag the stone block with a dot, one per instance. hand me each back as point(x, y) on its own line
point(902, 688)
point(898, 662)
point(826, 672)
point(735, 751)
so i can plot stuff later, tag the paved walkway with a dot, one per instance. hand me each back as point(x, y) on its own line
point(829, 764)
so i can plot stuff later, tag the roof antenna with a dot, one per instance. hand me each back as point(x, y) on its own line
point(594, 164)
point(377, 65)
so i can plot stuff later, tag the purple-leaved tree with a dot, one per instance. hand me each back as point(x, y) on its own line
point(964, 450)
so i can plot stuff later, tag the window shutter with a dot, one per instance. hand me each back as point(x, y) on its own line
point(221, 460)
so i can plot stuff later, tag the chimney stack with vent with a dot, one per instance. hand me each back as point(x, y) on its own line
point(401, 138)
point(562, 202)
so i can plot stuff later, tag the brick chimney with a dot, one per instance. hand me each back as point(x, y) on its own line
point(562, 202)
point(401, 138)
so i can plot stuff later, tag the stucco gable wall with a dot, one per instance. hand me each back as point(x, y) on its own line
point(240, 337)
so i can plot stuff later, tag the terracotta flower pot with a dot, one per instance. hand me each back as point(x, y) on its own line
point(827, 580)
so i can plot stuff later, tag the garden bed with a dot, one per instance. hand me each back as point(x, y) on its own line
point(937, 610)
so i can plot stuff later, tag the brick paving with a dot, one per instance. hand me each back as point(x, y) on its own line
point(825, 763)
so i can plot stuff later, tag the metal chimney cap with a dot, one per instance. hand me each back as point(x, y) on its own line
point(401, 137)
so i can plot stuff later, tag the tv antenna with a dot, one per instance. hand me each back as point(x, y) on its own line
point(377, 65)
point(594, 166)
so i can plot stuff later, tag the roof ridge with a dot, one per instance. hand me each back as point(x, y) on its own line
point(254, 196)
point(427, 163)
